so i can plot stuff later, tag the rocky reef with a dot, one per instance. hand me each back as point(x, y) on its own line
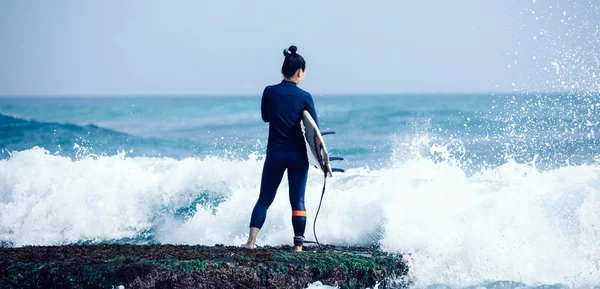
point(177, 266)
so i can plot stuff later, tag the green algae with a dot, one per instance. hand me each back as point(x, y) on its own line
point(103, 267)
point(189, 266)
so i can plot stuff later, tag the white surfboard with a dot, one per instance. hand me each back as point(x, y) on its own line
point(315, 145)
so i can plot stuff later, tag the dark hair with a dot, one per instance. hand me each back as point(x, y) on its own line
point(292, 62)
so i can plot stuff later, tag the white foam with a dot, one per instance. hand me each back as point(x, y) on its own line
point(507, 223)
point(319, 285)
point(47, 199)
point(510, 223)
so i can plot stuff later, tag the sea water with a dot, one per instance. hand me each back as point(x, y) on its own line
point(493, 190)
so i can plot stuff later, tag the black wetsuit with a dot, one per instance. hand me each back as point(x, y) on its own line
point(282, 106)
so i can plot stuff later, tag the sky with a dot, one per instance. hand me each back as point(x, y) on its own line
point(136, 47)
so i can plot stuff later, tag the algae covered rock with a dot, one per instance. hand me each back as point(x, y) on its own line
point(175, 266)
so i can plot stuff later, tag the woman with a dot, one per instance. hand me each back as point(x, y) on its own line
point(282, 106)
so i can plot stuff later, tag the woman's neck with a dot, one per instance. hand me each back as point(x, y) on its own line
point(292, 79)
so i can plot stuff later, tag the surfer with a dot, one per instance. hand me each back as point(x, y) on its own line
point(282, 106)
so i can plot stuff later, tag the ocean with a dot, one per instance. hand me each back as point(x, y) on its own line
point(490, 190)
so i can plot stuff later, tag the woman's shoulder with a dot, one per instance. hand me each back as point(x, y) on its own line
point(305, 93)
point(269, 88)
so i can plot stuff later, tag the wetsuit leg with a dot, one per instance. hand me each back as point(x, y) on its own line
point(297, 176)
point(272, 174)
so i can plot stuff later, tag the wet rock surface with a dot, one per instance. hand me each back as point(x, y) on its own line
point(177, 266)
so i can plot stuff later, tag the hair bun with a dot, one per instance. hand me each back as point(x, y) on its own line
point(290, 51)
point(293, 49)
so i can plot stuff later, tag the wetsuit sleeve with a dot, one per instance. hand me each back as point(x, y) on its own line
point(310, 107)
point(264, 105)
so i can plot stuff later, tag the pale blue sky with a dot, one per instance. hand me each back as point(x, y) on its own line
point(117, 47)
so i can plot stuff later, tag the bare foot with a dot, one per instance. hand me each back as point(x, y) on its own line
point(250, 244)
point(297, 248)
point(247, 246)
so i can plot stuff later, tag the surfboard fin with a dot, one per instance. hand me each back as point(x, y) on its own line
point(324, 133)
point(337, 170)
point(336, 158)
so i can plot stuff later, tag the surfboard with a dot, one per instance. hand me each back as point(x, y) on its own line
point(315, 145)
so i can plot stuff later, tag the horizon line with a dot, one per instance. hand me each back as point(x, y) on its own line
point(398, 94)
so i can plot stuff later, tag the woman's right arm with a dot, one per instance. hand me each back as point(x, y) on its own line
point(264, 105)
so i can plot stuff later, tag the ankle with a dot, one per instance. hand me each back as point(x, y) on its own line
point(299, 241)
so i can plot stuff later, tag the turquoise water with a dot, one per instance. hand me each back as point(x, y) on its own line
point(481, 130)
point(499, 191)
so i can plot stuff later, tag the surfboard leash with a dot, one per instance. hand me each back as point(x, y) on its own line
point(325, 246)
point(323, 167)
point(318, 210)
